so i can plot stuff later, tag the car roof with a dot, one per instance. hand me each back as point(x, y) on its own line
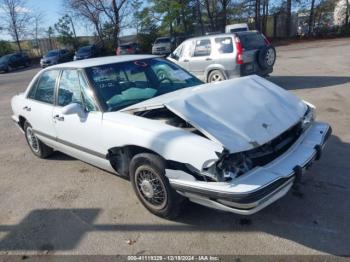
point(221, 35)
point(101, 61)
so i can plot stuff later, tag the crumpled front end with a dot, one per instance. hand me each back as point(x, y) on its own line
point(266, 182)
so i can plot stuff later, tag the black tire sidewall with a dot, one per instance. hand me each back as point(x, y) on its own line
point(156, 164)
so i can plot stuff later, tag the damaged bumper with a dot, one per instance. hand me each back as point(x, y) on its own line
point(260, 186)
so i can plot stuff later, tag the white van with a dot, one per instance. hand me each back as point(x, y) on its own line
point(236, 28)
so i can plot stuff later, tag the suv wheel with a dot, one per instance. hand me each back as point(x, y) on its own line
point(38, 148)
point(267, 57)
point(147, 175)
point(216, 76)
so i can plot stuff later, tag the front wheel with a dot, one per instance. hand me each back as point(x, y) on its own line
point(36, 146)
point(147, 175)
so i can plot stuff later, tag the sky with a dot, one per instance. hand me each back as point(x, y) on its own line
point(52, 10)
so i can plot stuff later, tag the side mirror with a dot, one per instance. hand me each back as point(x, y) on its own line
point(71, 109)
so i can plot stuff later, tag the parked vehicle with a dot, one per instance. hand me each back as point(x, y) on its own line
point(237, 146)
point(223, 56)
point(128, 49)
point(85, 52)
point(56, 56)
point(162, 46)
point(12, 61)
point(236, 28)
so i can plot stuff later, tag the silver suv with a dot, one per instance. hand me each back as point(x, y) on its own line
point(162, 46)
point(223, 56)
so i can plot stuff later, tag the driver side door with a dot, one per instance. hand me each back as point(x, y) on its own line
point(78, 132)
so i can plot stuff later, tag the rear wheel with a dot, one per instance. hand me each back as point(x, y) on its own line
point(216, 76)
point(9, 68)
point(38, 148)
point(147, 175)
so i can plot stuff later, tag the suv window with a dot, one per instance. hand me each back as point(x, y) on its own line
point(252, 40)
point(202, 48)
point(224, 45)
point(69, 88)
point(45, 88)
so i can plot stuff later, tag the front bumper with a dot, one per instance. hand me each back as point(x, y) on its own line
point(261, 186)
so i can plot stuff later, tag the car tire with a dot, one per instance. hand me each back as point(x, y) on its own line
point(216, 76)
point(9, 69)
point(147, 175)
point(267, 57)
point(36, 146)
point(27, 64)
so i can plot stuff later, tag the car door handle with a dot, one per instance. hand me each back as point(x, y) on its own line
point(27, 108)
point(186, 60)
point(58, 117)
point(208, 59)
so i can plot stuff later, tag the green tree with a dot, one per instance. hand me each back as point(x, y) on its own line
point(65, 31)
point(5, 48)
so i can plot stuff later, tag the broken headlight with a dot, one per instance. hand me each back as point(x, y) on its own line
point(231, 166)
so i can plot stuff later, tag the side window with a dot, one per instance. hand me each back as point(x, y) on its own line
point(178, 52)
point(224, 45)
point(46, 87)
point(202, 48)
point(69, 88)
point(87, 96)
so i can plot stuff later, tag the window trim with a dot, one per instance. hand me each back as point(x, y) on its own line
point(195, 45)
point(35, 85)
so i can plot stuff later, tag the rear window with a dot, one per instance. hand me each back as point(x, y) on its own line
point(224, 45)
point(251, 41)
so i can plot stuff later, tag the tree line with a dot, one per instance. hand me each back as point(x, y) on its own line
point(152, 18)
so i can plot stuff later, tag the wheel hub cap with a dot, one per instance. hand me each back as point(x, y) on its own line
point(147, 188)
point(151, 189)
point(33, 141)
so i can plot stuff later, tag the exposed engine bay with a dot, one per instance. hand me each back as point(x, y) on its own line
point(230, 166)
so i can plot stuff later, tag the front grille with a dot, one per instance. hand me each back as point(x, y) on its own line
point(160, 48)
point(266, 153)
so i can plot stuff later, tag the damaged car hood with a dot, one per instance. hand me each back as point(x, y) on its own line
point(240, 114)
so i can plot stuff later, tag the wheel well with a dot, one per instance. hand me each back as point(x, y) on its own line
point(120, 157)
point(21, 122)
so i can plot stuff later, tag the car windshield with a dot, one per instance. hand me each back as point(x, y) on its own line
point(5, 58)
point(162, 40)
point(52, 53)
point(123, 84)
point(84, 49)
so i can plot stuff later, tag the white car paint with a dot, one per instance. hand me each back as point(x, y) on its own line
point(235, 115)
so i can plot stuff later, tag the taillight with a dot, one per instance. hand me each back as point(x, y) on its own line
point(267, 42)
point(239, 58)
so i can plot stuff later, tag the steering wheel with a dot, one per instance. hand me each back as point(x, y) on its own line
point(162, 76)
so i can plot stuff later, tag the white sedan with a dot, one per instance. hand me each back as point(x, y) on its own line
point(238, 145)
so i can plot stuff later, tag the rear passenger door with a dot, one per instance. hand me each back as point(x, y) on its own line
point(39, 105)
point(225, 55)
point(201, 57)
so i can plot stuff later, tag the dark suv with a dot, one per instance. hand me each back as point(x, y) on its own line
point(12, 61)
point(223, 56)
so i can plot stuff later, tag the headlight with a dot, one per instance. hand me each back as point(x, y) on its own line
point(309, 116)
